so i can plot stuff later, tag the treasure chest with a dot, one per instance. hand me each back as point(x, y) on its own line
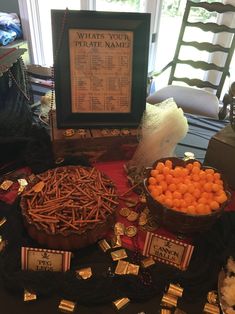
point(93, 144)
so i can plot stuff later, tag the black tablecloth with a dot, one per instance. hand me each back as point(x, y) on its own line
point(200, 132)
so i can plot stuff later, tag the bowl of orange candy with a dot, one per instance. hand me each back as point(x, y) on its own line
point(185, 197)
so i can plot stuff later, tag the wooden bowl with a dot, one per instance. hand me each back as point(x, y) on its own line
point(176, 221)
point(66, 234)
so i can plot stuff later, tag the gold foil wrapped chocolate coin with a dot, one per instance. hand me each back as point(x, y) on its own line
point(103, 244)
point(3, 244)
point(29, 296)
point(120, 303)
point(5, 185)
point(131, 231)
point(124, 211)
point(67, 306)
point(169, 300)
point(165, 311)
point(175, 290)
point(211, 309)
point(69, 132)
point(3, 221)
point(38, 186)
point(151, 225)
point(142, 219)
point(118, 254)
point(116, 241)
point(147, 262)
point(85, 273)
point(133, 269)
point(119, 228)
point(142, 198)
point(212, 297)
point(132, 216)
point(121, 268)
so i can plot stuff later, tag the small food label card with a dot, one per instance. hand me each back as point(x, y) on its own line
point(167, 250)
point(44, 260)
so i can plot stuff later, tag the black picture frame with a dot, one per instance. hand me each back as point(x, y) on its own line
point(76, 109)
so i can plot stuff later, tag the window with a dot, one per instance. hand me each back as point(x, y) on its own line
point(36, 21)
point(170, 22)
point(166, 16)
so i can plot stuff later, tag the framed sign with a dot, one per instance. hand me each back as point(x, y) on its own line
point(101, 61)
point(168, 250)
point(38, 259)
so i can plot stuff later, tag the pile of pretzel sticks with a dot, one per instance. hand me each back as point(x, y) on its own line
point(71, 198)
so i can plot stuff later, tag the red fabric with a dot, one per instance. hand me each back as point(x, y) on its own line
point(115, 171)
point(11, 194)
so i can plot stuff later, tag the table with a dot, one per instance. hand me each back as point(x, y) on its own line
point(205, 266)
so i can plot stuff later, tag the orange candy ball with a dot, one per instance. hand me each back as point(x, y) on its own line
point(190, 189)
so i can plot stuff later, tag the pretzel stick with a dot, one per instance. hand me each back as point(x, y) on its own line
point(68, 223)
point(71, 200)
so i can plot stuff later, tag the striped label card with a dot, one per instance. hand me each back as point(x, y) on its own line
point(167, 250)
point(44, 259)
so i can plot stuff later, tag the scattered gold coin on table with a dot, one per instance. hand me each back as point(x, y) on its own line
point(131, 231)
point(119, 228)
point(142, 198)
point(132, 216)
point(6, 185)
point(84, 273)
point(29, 296)
point(143, 219)
point(69, 132)
point(124, 211)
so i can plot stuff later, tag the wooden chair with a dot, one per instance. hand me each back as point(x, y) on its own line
point(200, 95)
